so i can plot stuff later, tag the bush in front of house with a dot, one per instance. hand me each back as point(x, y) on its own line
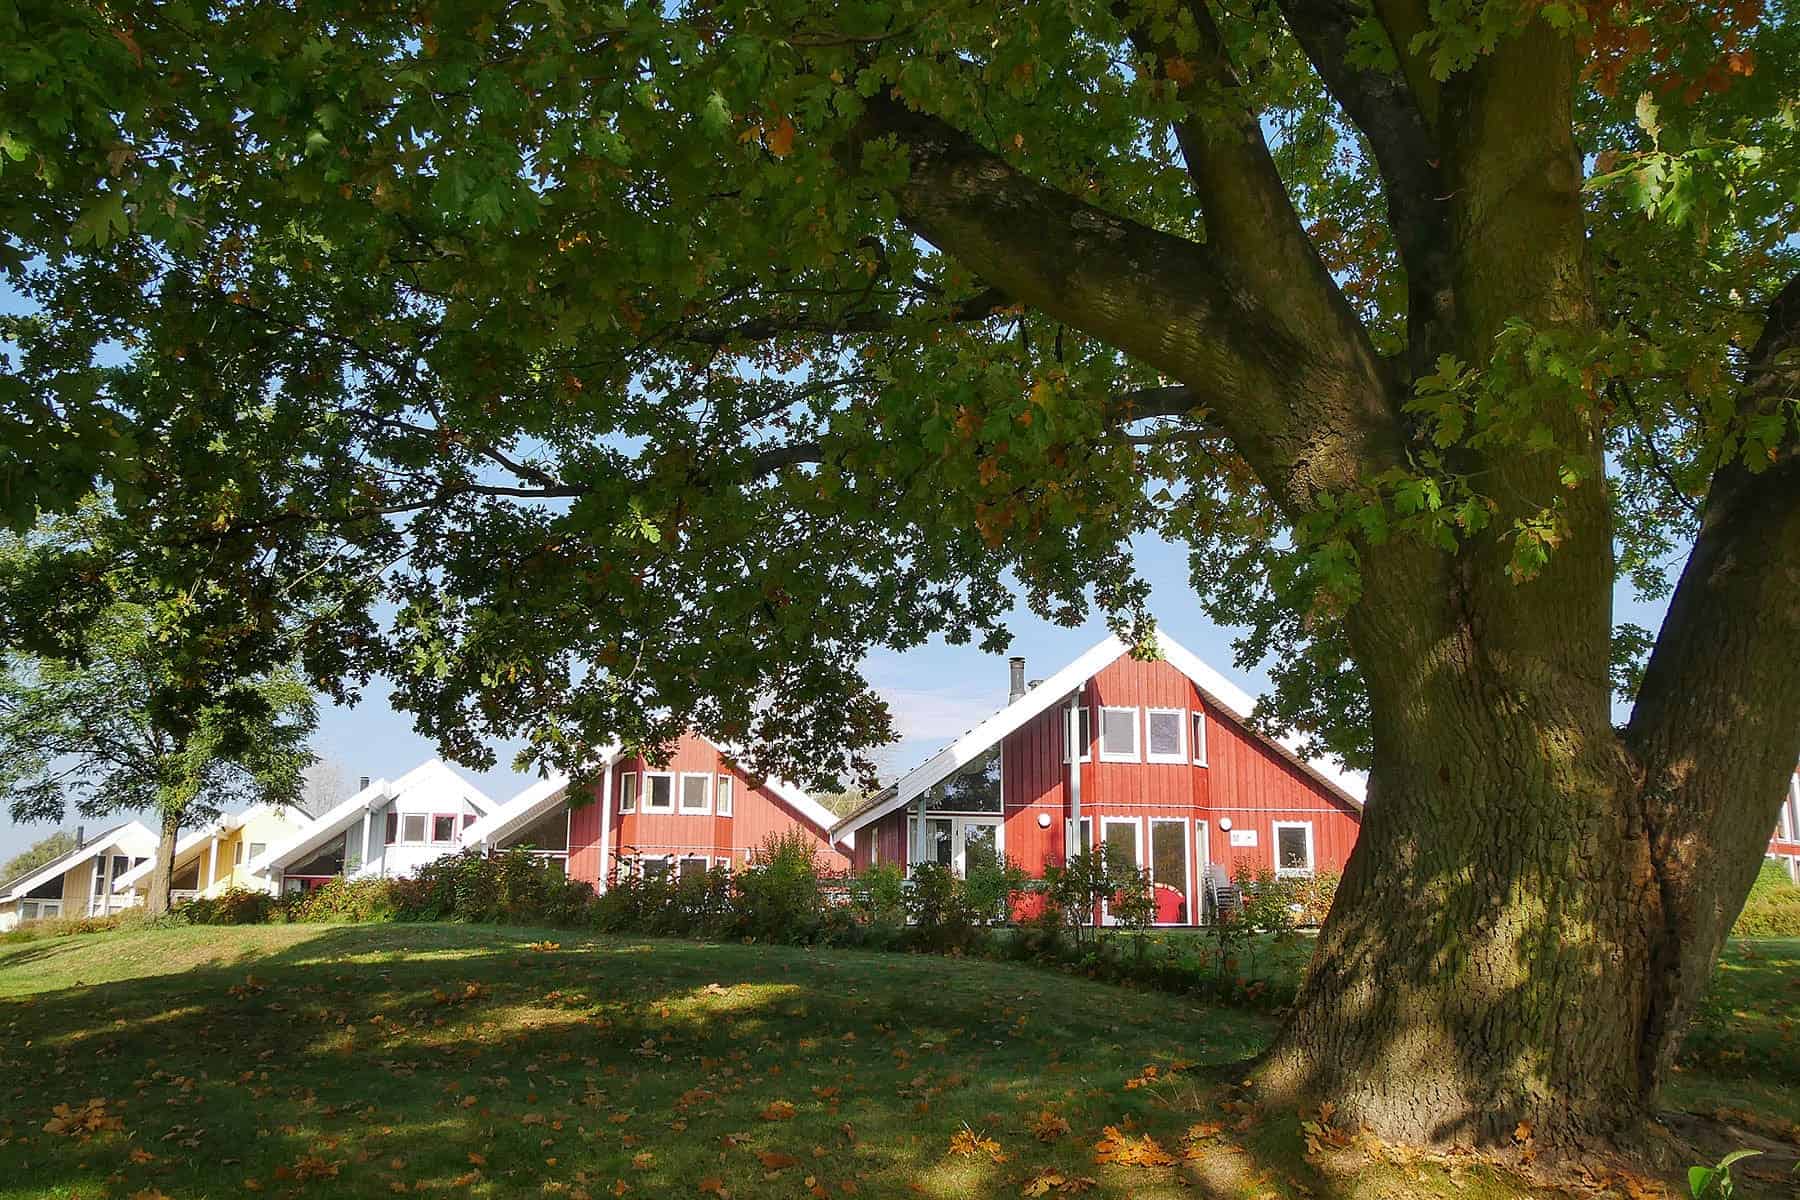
point(234, 906)
point(511, 887)
point(343, 901)
point(1773, 907)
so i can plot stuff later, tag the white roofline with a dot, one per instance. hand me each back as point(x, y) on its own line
point(1228, 696)
point(74, 858)
point(225, 823)
point(322, 827)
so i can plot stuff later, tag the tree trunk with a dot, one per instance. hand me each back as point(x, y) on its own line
point(162, 879)
point(1512, 955)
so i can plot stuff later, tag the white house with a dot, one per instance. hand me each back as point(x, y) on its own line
point(80, 883)
point(387, 829)
point(217, 858)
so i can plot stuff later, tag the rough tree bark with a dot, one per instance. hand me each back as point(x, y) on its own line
point(1536, 897)
point(162, 877)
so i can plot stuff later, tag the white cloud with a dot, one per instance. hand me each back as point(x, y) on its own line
point(939, 715)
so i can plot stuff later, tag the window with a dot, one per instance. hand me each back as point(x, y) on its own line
point(726, 785)
point(1165, 737)
point(353, 849)
point(1199, 737)
point(257, 850)
point(659, 792)
point(393, 829)
point(974, 788)
point(654, 868)
point(692, 866)
point(1169, 870)
point(443, 827)
point(1084, 733)
point(696, 793)
point(1120, 836)
point(468, 819)
point(628, 790)
point(1118, 735)
point(412, 827)
point(1293, 848)
point(237, 853)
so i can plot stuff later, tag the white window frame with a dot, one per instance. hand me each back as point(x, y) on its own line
point(631, 785)
point(1137, 735)
point(1181, 723)
point(1312, 855)
point(1072, 831)
point(644, 799)
point(1198, 720)
point(424, 838)
point(724, 795)
point(1137, 833)
point(1083, 709)
point(1187, 857)
point(455, 820)
point(683, 860)
point(681, 804)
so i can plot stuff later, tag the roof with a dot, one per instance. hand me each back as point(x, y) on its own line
point(542, 797)
point(134, 835)
point(1227, 696)
point(432, 773)
point(199, 837)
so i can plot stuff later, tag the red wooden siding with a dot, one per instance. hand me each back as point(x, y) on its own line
point(757, 814)
point(1244, 779)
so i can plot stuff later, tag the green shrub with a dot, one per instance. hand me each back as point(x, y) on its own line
point(992, 881)
point(779, 893)
point(878, 896)
point(350, 901)
point(234, 906)
point(938, 907)
point(1314, 895)
point(1773, 907)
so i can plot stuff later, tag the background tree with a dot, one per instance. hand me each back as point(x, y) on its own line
point(113, 719)
point(324, 785)
point(682, 353)
point(45, 849)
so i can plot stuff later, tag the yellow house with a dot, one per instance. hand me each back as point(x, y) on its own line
point(214, 859)
point(77, 884)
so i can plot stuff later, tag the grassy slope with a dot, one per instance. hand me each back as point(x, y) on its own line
point(599, 1062)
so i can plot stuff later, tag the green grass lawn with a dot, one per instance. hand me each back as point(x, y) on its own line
point(470, 1061)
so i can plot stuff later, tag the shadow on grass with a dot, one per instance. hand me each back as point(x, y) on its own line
point(360, 1061)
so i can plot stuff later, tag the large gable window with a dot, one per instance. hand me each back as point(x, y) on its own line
point(974, 788)
point(1119, 735)
point(1165, 735)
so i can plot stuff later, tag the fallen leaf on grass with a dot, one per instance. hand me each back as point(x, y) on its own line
point(967, 1142)
point(776, 1160)
point(83, 1121)
point(779, 1110)
point(1048, 1126)
point(1115, 1146)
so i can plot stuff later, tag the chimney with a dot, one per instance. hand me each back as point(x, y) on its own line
point(80, 836)
point(1017, 679)
point(362, 784)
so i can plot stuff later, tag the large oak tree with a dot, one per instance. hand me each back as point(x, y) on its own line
point(681, 353)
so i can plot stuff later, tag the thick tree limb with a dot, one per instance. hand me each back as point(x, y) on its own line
point(1251, 223)
point(1716, 727)
point(760, 329)
point(1306, 408)
point(1406, 154)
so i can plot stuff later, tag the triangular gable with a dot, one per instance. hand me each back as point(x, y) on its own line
point(537, 800)
point(1057, 689)
point(133, 836)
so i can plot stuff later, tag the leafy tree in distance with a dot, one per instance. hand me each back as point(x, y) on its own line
point(111, 721)
point(686, 352)
point(46, 849)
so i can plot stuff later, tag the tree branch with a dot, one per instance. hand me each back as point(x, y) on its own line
point(1306, 407)
point(1716, 727)
point(1406, 154)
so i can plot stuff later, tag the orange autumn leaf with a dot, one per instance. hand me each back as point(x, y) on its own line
point(776, 1160)
point(967, 1142)
point(83, 1121)
point(712, 1185)
point(1115, 1146)
point(781, 138)
point(778, 1110)
point(1047, 1126)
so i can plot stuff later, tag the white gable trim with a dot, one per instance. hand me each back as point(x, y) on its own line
point(332, 821)
point(1055, 690)
point(131, 837)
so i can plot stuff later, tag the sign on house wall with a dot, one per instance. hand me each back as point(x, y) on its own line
point(1243, 837)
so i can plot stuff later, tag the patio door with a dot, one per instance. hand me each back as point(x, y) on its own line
point(977, 836)
point(1120, 836)
point(1169, 881)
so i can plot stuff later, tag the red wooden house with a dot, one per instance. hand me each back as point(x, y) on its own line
point(1784, 844)
point(1156, 759)
point(697, 811)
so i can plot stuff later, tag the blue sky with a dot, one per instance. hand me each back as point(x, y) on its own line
point(936, 692)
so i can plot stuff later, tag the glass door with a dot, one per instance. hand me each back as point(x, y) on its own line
point(1120, 837)
point(977, 841)
point(1169, 871)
